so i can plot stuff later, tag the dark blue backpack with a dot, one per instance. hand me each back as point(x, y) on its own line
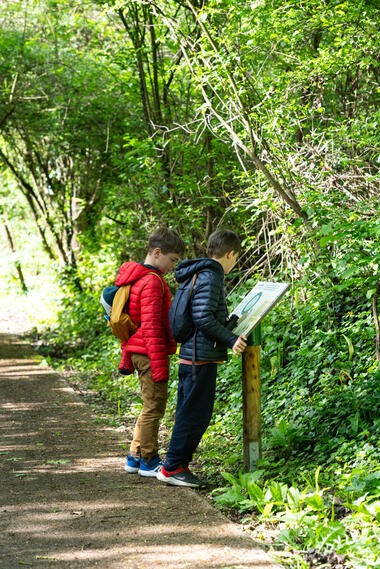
point(180, 320)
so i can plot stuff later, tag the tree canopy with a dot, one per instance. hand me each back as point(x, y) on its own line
point(118, 116)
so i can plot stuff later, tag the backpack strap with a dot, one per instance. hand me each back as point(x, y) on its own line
point(192, 284)
point(158, 276)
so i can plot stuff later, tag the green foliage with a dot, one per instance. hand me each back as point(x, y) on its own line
point(118, 117)
point(320, 401)
point(309, 519)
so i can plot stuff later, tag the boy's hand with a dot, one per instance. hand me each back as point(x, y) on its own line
point(240, 345)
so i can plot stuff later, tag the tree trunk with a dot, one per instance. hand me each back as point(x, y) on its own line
point(18, 266)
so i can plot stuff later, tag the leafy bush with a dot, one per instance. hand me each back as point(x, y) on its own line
point(306, 519)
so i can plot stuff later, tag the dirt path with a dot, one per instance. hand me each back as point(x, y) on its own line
point(66, 501)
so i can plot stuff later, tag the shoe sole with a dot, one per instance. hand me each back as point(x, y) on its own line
point(131, 469)
point(148, 473)
point(174, 482)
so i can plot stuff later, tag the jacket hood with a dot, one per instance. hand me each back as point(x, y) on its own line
point(186, 269)
point(131, 271)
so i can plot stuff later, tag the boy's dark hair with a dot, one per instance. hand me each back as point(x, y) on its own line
point(167, 240)
point(222, 241)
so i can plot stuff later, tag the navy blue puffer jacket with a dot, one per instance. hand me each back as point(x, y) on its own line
point(209, 311)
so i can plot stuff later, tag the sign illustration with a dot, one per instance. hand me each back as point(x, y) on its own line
point(252, 309)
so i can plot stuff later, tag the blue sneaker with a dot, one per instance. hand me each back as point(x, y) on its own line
point(150, 468)
point(132, 465)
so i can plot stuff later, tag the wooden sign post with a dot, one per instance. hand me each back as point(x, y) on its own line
point(252, 399)
point(250, 312)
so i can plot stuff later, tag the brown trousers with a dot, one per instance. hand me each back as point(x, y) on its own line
point(155, 396)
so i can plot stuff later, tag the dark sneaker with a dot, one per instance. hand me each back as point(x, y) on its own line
point(132, 465)
point(150, 468)
point(180, 477)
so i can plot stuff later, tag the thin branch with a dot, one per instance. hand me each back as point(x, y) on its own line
point(116, 220)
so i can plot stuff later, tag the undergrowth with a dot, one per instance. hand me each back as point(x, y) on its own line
point(317, 484)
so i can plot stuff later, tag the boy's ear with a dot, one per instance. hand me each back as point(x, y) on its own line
point(229, 254)
point(156, 251)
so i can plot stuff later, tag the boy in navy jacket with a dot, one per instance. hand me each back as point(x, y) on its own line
point(203, 351)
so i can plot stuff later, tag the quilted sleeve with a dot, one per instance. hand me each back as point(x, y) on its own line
point(126, 366)
point(171, 346)
point(206, 300)
point(153, 328)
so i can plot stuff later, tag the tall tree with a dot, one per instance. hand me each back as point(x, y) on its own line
point(190, 167)
point(61, 116)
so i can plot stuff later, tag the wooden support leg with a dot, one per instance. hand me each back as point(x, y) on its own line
point(251, 403)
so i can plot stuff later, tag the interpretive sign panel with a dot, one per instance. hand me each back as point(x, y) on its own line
point(252, 309)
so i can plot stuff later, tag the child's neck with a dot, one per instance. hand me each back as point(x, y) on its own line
point(151, 260)
point(228, 261)
point(221, 262)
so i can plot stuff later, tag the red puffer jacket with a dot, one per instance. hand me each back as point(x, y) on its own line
point(149, 304)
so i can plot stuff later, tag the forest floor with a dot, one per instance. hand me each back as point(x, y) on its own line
point(66, 501)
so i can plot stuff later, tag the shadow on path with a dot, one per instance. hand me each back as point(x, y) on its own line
point(66, 501)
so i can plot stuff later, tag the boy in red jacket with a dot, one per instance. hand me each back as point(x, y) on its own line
point(147, 350)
